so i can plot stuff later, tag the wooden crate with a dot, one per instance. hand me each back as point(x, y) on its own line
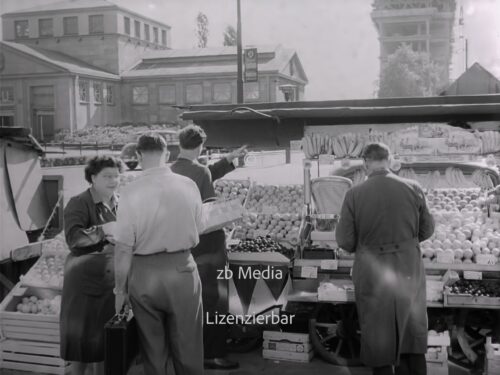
point(30, 327)
point(460, 300)
point(36, 357)
point(492, 359)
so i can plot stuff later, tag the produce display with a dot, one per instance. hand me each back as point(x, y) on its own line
point(276, 199)
point(462, 230)
point(34, 305)
point(47, 272)
point(476, 288)
point(119, 134)
point(261, 245)
point(232, 189)
point(280, 227)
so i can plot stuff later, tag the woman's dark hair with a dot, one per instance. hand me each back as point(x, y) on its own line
point(98, 163)
point(191, 137)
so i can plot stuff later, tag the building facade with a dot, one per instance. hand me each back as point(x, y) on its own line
point(84, 63)
point(425, 25)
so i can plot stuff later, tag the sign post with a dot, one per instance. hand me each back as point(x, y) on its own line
point(251, 71)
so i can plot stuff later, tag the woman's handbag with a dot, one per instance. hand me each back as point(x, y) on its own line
point(121, 343)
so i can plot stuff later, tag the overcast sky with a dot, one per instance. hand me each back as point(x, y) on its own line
point(335, 39)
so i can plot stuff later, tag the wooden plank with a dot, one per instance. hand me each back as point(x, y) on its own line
point(29, 317)
point(35, 324)
point(37, 369)
point(26, 358)
point(24, 336)
point(28, 347)
point(31, 330)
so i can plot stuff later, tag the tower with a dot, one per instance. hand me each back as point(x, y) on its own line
point(425, 25)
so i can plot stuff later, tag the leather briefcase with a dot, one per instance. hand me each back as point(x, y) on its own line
point(121, 344)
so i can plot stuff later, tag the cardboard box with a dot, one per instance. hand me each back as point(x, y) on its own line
point(284, 346)
point(287, 356)
point(286, 336)
point(492, 360)
point(442, 339)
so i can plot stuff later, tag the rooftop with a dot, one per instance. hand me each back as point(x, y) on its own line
point(62, 61)
point(76, 5)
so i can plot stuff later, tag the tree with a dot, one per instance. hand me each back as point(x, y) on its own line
point(407, 73)
point(230, 36)
point(202, 32)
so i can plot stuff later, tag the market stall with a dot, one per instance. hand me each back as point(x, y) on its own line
point(456, 165)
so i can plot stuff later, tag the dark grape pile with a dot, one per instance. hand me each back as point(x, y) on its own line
point(261, 245)
point(476, 288)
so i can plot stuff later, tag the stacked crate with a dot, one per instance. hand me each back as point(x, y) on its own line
point(437, 353)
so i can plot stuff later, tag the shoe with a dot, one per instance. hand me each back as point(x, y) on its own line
point(220, 364)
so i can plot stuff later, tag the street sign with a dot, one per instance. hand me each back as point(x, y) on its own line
point(250, 61)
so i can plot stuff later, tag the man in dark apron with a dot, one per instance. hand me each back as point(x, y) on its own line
point(210, 254)
point(383, 220)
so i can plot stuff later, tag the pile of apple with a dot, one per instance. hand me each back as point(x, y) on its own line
point(462, 228)
point(280, 227)
point(48, 271)
point(456, 200)
point(273, 198)
point(477, 288)
point(35, 305)
point(232, 189)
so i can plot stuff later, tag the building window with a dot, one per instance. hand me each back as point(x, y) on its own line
point(70, 25)
point(140, 95)
point(6, 120)
point(251, 91)
point(83, 90)
point(22, 29)
point(6, 95)
point(194, 93)
point(155, 34)
point(164, 37)
point(146, 32)
point(96, 24)
point(137, 27)
point(126, 22)
point(97, 92)
point(45, 27)
point(166, 94)
point(221, 93)
point(110, 94)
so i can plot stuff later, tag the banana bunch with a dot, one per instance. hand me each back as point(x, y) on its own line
point(455, 177)
point(432, 180)
point(490, 141)
point(482, 179)
point(409, 174)
point(316, 144)
point(348, 145)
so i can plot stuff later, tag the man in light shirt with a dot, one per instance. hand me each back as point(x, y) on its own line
point(158, 223)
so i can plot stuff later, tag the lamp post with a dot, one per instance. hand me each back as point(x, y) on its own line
point(239, 52)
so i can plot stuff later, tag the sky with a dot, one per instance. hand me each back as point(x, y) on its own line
point(335, 40)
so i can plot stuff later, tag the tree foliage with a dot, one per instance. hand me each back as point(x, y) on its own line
point(202, 30)
point(230, 36)
point(407, 73)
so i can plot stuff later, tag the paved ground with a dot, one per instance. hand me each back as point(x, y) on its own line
point(253, 364)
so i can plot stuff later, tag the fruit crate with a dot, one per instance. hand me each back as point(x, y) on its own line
point(34, 357)
point(272, 199)
point(467, 300)
point(53, 262)
point(492, 358)
point(26, 326)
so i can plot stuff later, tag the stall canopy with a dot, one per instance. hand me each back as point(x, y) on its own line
point(276, 124)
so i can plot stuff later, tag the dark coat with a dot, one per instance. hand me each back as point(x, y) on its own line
point(210, 254)
point(382, 221)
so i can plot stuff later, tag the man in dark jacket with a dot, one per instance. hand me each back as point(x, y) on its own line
point(383, 220)
point(210, 254)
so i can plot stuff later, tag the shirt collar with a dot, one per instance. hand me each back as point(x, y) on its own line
point(98, 199)
point(380, 172)
point(157, 171)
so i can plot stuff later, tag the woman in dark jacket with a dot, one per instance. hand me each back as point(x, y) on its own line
point(87, 296)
